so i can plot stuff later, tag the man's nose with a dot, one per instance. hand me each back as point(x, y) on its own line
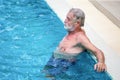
point(65, 21)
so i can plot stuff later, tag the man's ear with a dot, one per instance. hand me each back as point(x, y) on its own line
point(78, 22)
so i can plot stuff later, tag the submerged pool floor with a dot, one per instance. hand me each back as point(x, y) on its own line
point(29, 32)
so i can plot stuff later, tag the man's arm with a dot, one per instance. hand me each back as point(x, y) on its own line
point(100, 66)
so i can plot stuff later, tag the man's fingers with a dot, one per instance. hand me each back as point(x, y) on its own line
point(105, 68)
point(100, 67)
point(95, 66)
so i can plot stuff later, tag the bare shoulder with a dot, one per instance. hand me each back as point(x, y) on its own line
point(81, 36)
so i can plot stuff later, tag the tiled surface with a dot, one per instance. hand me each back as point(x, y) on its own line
point(111, 8)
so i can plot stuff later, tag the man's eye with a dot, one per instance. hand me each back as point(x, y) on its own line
point(68, 19)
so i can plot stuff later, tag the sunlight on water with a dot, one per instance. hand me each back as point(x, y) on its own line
point(29, 32)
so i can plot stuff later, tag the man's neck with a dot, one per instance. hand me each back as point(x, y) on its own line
point(75, 31)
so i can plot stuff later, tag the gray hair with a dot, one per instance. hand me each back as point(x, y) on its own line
point(79, 15)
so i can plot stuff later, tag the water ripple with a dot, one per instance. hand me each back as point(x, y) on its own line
point(27, 38)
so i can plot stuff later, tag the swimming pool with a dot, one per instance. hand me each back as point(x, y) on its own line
point(29, 32)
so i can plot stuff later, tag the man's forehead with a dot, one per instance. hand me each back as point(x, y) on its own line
point(70, 15)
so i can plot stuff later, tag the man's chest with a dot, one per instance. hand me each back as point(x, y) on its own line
point(68, 42)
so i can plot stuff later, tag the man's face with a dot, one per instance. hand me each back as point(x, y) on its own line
point(69, 19)
point(69, 23)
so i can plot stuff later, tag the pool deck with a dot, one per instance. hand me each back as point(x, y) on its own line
point(111, 8)
point(105, 31)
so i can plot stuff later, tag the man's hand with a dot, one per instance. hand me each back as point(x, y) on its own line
point(100, 66)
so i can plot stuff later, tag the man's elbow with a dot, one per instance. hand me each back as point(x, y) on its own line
point(97, 51)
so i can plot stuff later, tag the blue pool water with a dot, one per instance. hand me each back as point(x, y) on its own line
point(29, 32)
